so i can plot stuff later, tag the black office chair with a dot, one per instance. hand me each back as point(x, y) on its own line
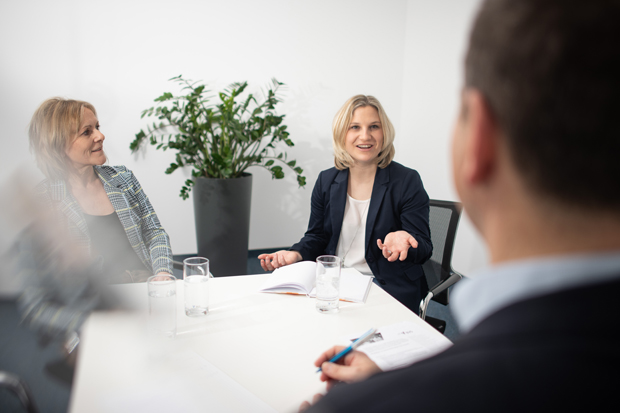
point(443, 219)
point(19, 388)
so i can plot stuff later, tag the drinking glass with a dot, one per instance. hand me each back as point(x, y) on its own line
point(196, 283)
point(162, 305)
point(328, 283)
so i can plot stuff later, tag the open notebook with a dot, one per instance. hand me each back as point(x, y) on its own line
point(299, 278)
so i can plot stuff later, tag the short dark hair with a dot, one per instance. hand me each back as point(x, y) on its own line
point(550, 72)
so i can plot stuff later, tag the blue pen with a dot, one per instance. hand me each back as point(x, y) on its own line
point(361, 340)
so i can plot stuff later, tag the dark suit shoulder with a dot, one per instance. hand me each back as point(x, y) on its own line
point(573, 309)
point(404, 181)
point(399, 171)
point(328, 175)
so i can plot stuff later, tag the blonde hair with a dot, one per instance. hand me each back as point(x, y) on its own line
point(53, 128)
point(341, 125)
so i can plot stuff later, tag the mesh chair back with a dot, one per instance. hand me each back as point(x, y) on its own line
point(443, 220)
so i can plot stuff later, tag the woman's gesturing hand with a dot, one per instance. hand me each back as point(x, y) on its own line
point(278, 259)
point(396, 245)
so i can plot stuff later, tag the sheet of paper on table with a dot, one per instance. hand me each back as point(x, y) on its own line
point(401, 344)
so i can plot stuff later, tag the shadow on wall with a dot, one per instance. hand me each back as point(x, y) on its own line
point(280, 209)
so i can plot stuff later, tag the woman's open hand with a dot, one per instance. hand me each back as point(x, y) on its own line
point(278, 259)
point(396, 245)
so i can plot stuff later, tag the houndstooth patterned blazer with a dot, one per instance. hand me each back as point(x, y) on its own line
point(146, 235)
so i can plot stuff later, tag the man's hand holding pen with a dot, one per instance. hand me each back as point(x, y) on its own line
point(353, 367)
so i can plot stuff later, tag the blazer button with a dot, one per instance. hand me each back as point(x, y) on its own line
point(382, 282)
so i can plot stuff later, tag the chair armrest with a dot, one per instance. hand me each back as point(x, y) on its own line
point(438, 288)
point(447, 283)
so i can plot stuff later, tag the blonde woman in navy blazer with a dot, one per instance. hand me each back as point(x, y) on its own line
point(396, 235)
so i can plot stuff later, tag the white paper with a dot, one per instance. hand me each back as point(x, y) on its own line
point(402, 344)
point(354, 286)
point(299, 277)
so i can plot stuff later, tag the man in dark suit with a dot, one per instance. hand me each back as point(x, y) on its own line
point(535, 151)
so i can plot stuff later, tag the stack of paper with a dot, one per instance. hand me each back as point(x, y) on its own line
point(402, 344)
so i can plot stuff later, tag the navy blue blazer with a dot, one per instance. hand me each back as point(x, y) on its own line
point(398, 202)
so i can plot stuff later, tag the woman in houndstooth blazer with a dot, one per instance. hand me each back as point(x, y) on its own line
point(96, 224)
point(104, 208)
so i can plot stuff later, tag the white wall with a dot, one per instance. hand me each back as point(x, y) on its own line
point(118, 55)
point(432, 78)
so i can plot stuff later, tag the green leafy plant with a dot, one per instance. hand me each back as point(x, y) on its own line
point(219, 140)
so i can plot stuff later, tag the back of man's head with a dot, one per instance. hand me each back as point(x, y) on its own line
point(550, 71)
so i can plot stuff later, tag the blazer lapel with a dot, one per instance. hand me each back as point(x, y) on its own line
point(382, 179)
point(114, 189)
point(338, 200)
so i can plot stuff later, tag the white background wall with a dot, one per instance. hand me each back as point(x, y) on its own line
point(118, 55)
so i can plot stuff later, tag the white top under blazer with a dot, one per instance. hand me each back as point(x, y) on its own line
point(351, 246)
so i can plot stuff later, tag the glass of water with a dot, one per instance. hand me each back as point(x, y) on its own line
point(196, 283)
point(162, 305)
point(328, 283)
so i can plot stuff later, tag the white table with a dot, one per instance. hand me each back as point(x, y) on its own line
point(266, 343)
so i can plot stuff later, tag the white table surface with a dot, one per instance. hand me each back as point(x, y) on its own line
point(267, 343)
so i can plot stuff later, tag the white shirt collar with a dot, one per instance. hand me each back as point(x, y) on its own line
point(495, 287)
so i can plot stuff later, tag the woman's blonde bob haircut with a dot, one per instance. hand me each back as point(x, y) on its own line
point(54, 126)
point(342, 159)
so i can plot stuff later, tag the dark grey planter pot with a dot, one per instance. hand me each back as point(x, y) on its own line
point(222, 215)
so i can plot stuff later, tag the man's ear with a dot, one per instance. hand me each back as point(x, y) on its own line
point(482, 132)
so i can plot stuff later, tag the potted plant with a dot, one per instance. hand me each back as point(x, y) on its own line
point(220, 141)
